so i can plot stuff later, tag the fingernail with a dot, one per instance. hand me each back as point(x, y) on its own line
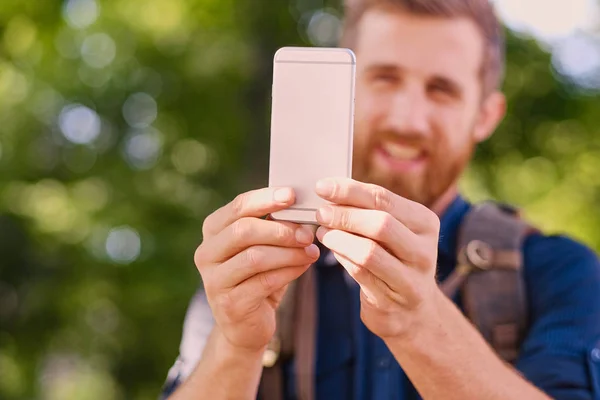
point(320, 233)
point(282, 195)
point(304, 236)
point(325, 215)
point(324, 187)
point(312, 251)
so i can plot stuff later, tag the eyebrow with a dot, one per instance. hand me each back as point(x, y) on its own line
point(384, 68)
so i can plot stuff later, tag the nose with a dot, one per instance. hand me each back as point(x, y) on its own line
point(408, 113)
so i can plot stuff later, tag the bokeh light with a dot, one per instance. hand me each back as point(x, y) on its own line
point(68, 376)
point(123, 245)
point(19, 36)
point(324, 28)
point(140, 110)
point(91, 194)
point(14, 85)
point(98, 50)
point(190, 156)
point(80, 14)
point(143, 148)
point(79, 124)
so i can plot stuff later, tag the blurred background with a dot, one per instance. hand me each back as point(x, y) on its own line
point(124, 123)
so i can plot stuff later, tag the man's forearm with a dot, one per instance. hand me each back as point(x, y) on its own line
point(223, 373)
point(449, 359)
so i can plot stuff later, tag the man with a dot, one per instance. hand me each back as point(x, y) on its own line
point(428, 73)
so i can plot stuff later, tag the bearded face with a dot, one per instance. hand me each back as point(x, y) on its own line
point(419, 111)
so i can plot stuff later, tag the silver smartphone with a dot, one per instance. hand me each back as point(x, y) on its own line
point(312, 124)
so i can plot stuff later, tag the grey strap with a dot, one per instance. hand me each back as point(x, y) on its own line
point(490, 276)
point(305, 334)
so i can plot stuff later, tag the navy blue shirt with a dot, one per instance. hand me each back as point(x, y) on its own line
point(560, 355)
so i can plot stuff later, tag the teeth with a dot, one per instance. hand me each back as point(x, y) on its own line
point(401, 152)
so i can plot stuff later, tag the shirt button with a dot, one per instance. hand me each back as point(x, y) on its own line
point(596, 355)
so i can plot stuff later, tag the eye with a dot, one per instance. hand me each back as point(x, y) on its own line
point(439, 88)
point(443, 89)
point(385, 79)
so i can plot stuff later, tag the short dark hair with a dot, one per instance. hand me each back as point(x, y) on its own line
point(481, 12)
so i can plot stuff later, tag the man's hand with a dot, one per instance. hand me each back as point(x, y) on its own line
point(247, 262)
point(388, 244)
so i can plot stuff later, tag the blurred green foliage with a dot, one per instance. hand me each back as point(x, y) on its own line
point(124, 123)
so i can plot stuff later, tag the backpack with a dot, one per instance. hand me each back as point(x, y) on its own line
point(488, 277)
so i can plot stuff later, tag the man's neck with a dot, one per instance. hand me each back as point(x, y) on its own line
point(442, 204)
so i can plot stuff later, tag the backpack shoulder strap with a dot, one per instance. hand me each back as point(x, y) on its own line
point(295, 337)
point(489, 275)
point(279, 349)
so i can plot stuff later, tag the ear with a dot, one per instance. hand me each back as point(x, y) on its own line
point(491, 113)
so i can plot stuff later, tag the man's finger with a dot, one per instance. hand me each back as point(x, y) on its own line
point(253, 291)
point(369, 284)
point(379, 226)
point(350, 192)
point(363, 257)
point(256, 260)
point(255, 203)
point(247, 232)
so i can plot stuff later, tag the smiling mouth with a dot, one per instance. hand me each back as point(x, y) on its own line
point(398, 158)
point(402, 153)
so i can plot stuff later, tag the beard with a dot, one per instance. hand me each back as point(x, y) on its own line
point(442, 169)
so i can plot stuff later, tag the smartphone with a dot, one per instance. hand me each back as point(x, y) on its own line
point(312, 124)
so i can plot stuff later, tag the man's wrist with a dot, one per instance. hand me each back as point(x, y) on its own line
point(428, 325)
point(225, 372)
point(228, 351)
